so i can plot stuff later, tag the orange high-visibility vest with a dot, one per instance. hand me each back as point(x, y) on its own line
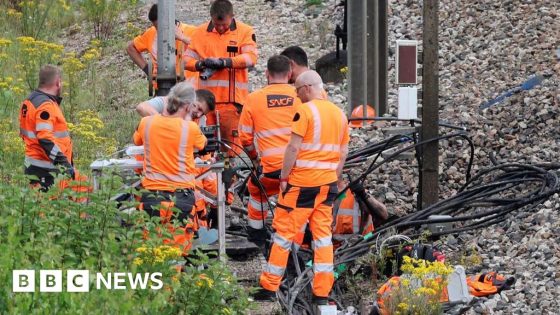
point(147, 42)
point(44, 132)
point(349, 217)
point(267, 118)
point(238, 43)
point(324, 128)
point(169, 143)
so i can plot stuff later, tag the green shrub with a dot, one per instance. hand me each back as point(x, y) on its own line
point(51, 231)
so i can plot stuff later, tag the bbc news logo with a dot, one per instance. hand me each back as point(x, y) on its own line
point(79, 281)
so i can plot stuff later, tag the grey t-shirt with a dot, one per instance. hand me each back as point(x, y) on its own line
point(158, 103)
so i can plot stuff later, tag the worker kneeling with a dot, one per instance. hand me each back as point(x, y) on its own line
point(169, 141)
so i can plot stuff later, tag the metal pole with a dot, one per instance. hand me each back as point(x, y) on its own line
point(383, 55)
point(356, 53)
point(166, 76)
point(430, 104)
point(221, 215)
point(373, 56)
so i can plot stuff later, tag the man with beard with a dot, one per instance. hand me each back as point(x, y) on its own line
point(43, 128)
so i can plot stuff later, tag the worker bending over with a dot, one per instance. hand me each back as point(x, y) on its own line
point(225, 47)
point(205, 103)
point(356, 212)
point(169, 142)
point(266, 120)
point(311, 167)
point(43, 128)
point(147, 42)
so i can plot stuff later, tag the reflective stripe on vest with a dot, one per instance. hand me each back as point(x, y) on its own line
point(247, 129)
point(355, 213)
point(39, 163)
point(27, 133)
point(316, 144)
point(192, 54)
point(317, 164)
point(223, 83)
point(273, 151)
point(274, 132)
point(183, 176)
point(43, 126)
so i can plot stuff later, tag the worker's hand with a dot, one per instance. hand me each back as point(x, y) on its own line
point(70, 172)
point(283, 186)
point(358, 189)
point(214, 63)
point(180, 36)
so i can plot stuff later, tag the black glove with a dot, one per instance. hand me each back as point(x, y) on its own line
point(227, 62)
point(214, 63)
point(70, 172)
point(199, 65)
point(145, 69)
point(358, 190)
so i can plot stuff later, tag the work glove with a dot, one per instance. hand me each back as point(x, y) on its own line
point(358, 190)
point(217, 63)
point(145, 69)
point(70, 172)
point(199, 65)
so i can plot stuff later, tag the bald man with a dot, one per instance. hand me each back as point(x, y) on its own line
point(312, 165)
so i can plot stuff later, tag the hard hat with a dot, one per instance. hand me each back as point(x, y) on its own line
point(358, 112)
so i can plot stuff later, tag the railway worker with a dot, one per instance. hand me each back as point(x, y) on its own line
point(169, 142)
point(205, 103)
point(147, 42)
point(351, 209)
point(43, 128)
point(311, 167)
point(228, 47)
point(266, 120)
point(298, 61)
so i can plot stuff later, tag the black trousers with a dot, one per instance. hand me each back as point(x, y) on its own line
point(183, 199)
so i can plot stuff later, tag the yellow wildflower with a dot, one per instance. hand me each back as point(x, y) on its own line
point(5, 42)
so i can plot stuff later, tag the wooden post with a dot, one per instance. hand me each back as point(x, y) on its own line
point(430, 105)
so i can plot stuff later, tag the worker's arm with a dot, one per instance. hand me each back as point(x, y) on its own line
point(199, 138)
point(137, 57)
point(376, 208)
point(248, 52)
point(45, 119)
point(151, 107)
point(137, 137)
point(290, 155)
point(343, 144)
point(343, 155)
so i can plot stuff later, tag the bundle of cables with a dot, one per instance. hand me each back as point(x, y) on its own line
point(486, 199)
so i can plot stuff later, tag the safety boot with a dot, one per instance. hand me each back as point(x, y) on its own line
point(263, 294)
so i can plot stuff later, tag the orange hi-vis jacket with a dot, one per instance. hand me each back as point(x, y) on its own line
point(169, 143)
point(267, 116)
point(349, 217)
point(324, 128)
point(230, 85)
point(147, 42)
point(44, 132)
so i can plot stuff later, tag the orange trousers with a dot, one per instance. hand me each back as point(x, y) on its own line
point(258, 204)
point(297, 206)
